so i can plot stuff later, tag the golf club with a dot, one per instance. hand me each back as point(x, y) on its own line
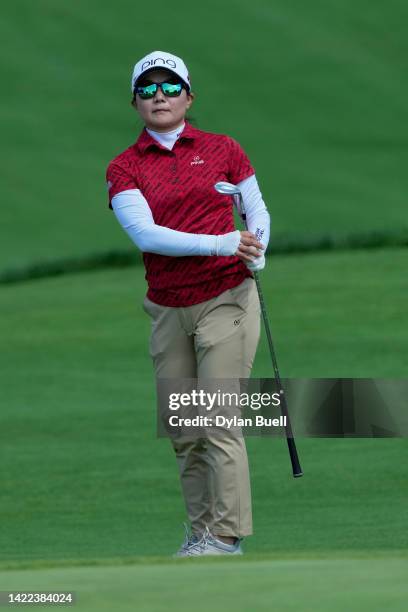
point(234, 191)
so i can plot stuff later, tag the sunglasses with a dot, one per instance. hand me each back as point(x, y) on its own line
point(172, 90)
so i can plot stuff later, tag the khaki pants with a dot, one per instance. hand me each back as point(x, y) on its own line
point(211, 340)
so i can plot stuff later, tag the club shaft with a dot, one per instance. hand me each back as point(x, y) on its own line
point(294, 458)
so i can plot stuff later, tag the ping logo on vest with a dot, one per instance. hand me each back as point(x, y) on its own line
point(196, 161)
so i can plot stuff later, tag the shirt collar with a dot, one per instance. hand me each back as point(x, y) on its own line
point(145, 140)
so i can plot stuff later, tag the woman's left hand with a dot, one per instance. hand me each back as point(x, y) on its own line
point(256, 265)
point(249, 249)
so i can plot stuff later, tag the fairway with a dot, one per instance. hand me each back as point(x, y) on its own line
point(84, 476)
point(287, 585)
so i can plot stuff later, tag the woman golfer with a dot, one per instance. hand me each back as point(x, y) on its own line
point(201, 296)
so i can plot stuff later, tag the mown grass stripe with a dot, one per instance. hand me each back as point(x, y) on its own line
point(283, 244)
point(293, 555)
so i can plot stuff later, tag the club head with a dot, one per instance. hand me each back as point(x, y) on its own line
point(227, 188)
point(235, 192)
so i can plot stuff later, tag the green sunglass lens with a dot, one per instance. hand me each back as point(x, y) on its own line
point(171, 89)
point(147, 91)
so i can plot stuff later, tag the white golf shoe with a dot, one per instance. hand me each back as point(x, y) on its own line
point(190, 540)
point(207, 545)
point(211, 545)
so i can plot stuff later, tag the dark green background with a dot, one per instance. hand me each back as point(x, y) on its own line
point(316, 94)
point(314, 91)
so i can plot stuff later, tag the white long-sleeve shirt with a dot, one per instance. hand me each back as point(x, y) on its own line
point(135, 216)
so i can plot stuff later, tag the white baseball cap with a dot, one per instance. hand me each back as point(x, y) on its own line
point(160, 59)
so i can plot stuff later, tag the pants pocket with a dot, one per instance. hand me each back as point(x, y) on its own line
point(243, 294)
point(150, 308)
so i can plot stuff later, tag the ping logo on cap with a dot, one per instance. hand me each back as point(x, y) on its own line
point(161, 59)
point(152, 62)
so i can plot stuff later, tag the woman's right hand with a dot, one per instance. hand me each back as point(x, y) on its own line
point(249, 248)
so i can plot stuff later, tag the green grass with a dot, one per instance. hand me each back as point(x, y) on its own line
point(322, 116)
point(84, 476)
point(89, 497)
point(287, 585)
